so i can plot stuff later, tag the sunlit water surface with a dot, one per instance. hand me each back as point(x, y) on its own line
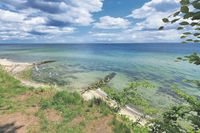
point(78, 65)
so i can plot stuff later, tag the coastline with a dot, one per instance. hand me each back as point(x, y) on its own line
point(15, 68)
point(129, 112)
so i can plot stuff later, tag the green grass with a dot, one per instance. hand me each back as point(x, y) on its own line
point(9, 86)
point(120, 127)
point(69, 105)
point(9, 89)
point(124, 125)
point(27, 73)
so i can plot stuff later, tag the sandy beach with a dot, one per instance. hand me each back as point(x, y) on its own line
point(15, 68)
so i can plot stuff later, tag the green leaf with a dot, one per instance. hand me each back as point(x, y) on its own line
point(180, 28)
point(189, 40)
point(179, 58)
point(184, 9)
point(187, 33)
point(184, 23)
point(196, 4)
point(197, 29)
point(193, 24)
point(196, 34)
point(161, 27)
point(183, 36)
point(176, 13)
point(165, 20)
point(185, 2)
point(173, 21)
point(196, 41)
point(188, 15)
point(196, 16)
point(184, 42)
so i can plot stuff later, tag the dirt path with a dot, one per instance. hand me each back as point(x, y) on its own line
point(17, 122)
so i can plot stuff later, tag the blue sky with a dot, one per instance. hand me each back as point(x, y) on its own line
point(82, 21)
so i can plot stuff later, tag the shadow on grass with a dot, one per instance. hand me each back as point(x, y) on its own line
point(9, 128)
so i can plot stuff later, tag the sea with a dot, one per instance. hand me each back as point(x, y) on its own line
point(79, 65)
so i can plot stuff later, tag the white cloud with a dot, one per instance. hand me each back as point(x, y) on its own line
point(56, 20)
point(149, 19)
point(27, 18)
point(9, 31)
point(108, 22)
point(130, 35)
point(153, 22)
point(154, 7)
point(8, 16)
point(35, 21)
point(90, 5)
point(74, 15)
point(20, 26)
point(104, 34)
point(151, 13)
point(154, 36)
point(72, 11)
point(54, 30)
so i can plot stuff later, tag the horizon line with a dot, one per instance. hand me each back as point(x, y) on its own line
point(95, 43)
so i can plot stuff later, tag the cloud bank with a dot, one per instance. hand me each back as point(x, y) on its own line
point(23, 19)
point(148, 19)
point(76, 20)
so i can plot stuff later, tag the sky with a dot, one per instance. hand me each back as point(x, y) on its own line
point(86, 21)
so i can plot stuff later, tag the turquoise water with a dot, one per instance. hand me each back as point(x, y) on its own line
point(78, 65)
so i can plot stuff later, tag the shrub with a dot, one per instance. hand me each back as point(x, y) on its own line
point(66, 98)
point(120, 127)
point(45, 104)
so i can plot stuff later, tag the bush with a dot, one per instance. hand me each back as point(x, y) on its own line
point(66, 98)
point(45, 104)
point(61, 99)
point(120, 127)
point(103, 107)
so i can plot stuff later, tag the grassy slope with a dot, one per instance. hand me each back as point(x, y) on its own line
point(76, 114)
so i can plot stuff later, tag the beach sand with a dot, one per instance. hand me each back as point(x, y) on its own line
point(15, 68)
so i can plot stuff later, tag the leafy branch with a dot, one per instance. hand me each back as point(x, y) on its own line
point(187, 17)
point(188, 113)
point(194, 59)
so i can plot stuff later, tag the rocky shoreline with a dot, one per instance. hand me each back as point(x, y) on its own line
point(93, 91)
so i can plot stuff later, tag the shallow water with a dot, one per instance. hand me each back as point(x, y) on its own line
point(78, 65)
